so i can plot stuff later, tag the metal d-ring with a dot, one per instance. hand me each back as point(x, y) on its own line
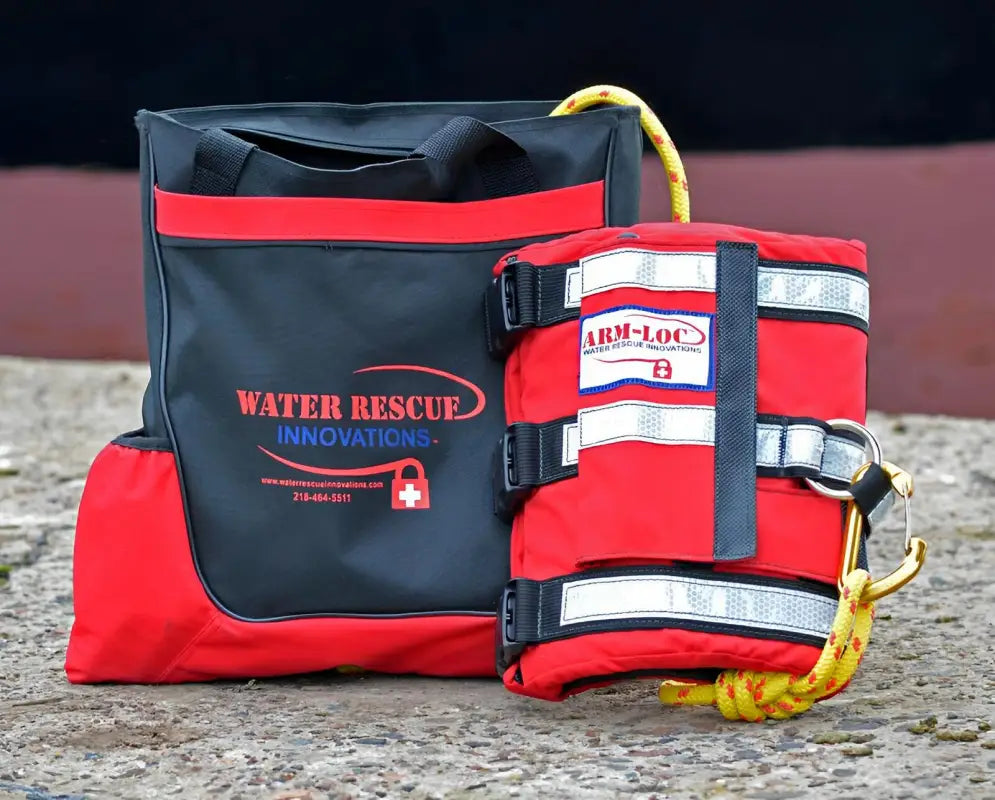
point(870, 444)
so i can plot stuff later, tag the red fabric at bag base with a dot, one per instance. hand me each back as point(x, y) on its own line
point(142, 615)
point(558, 670)
point(636, 503)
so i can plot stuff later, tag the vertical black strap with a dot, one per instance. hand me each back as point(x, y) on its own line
point(218, 162)
point(735, 401)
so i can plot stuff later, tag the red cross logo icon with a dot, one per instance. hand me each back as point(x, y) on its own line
point(409, 494)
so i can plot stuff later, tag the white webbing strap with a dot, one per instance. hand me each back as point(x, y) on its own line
point(771, 607)
point(802, 445)
point(793, 289)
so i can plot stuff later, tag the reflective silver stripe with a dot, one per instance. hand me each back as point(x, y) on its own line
point(635, 421)
point(802, 444)
point(647, 269)
point(778, 446)
point(880, 511)
point(815, 290)
point(721, 601)
point(841, 458)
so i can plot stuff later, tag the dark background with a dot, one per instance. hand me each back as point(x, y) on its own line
point(742, 75)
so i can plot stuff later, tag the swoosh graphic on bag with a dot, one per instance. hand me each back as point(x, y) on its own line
point(477, 391)
point(397, 467)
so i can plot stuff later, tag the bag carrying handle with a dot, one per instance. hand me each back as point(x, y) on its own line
point(502, 164)
point(680, 201)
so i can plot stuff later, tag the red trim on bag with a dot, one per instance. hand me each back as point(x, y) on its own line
point(142, 615)
point(348, 219)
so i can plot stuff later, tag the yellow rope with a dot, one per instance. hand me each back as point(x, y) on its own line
point(756, 696)
point(680, 202)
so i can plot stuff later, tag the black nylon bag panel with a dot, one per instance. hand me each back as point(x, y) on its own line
point(261, 553)
point(301, 317)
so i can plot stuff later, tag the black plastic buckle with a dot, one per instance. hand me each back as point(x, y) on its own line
point(506, 650)
point(501, 312)
point(509, 495)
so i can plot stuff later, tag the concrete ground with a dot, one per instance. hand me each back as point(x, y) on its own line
point(914, 724)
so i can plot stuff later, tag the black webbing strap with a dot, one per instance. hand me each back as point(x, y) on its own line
point(504, 166)
point(507, 175)
point(654, 598)
point(218, 162)
point(873, 495)
point(524, 296)
point(541, 293)
point(527, 456)
point(735, 527)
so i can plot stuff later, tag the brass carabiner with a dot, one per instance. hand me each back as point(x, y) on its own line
point(915, 548)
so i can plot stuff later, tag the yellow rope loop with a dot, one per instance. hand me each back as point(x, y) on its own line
point(680, 202)
point(756, 696)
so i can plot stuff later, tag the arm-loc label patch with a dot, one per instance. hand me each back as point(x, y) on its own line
point(634, 344)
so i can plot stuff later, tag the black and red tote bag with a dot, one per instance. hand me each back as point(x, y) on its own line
point(310, 486)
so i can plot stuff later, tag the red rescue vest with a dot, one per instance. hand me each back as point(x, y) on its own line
point(668, 388)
